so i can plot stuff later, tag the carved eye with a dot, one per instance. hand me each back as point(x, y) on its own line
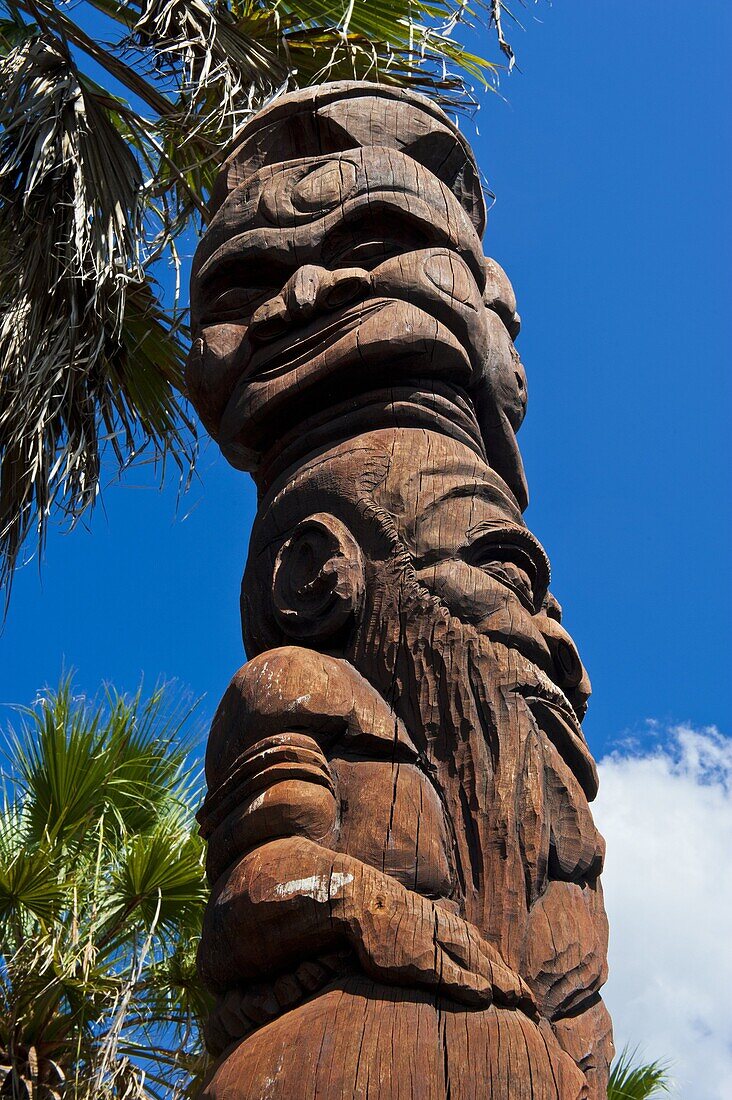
point(371, 236)
point(235, 304)
point(518, 565)
point(513, 577)
point(236, 286)
point(324, 186)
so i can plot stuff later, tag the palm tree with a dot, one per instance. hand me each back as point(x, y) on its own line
point(113, 116)
point(629, 1081)
point(101, 898)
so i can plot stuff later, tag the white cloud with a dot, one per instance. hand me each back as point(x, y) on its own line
point(667, 816)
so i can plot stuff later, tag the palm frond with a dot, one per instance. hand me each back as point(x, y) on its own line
point(79, 321)
point(160, 880)
point(102, 889)
point(32, 885)
point(122, 761)
point(631, 1080)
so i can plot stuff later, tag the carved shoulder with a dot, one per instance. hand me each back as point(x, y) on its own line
point(291, 689)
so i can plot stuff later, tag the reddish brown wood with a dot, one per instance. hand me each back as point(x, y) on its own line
point(405, 872)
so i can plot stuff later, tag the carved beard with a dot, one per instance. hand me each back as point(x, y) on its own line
point(456, 691)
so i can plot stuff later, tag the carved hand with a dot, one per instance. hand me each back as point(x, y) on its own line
point(403, 938)
point(244, 1008)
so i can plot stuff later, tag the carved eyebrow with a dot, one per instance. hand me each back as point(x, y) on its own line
point(507, 536)
point(483, 490)
point(233, 268)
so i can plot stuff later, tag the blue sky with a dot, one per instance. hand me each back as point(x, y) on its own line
point(611, 162)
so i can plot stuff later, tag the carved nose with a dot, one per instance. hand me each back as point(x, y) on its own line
point(568, 667)
point(311, 290)
point(314, 290)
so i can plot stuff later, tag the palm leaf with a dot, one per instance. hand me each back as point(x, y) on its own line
point(32, 885)
point(79, 323)
point(102, 889)
point(80, 762)
point(637, 1081)
point(160, 881)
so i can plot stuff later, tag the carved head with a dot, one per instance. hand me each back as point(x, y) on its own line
point(341, 286)
point(367, 526)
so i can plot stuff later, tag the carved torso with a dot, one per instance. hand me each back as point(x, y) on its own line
point(405, 871)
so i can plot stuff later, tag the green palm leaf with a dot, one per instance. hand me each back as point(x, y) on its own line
point(121, 762)
point(160, 879)
point(637, 1081)
point(32, 885)
point(102, 890)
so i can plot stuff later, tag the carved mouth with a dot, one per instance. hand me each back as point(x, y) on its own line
point(261, 395)
point(274, 360)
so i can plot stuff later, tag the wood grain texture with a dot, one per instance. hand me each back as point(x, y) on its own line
point(406, 897)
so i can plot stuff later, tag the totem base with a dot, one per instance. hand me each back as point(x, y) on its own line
point(358, 1038)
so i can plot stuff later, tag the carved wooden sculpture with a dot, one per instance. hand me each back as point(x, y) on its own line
point(405, 871)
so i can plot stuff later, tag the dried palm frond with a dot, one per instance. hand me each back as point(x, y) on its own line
point(87, 355)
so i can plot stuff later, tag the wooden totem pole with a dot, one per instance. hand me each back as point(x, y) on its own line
point(405, 872)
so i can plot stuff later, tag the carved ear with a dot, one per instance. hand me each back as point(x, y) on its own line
point(318, 578)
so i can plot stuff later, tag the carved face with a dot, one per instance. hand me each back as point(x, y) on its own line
point(344, 274)
point(462, 530)
point(306, 272)
point(468, 542)
point(470, 547)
